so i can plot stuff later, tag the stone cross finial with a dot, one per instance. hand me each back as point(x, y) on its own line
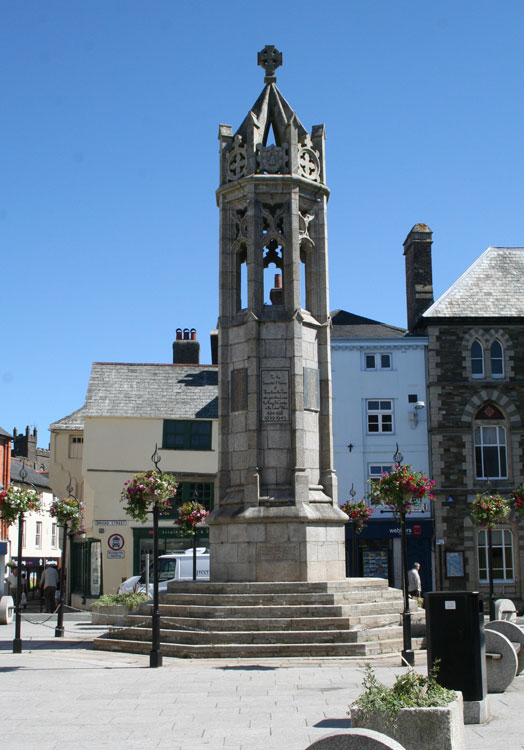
point(270, 59)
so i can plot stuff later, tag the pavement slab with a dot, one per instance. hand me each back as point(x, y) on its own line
point(59, 694)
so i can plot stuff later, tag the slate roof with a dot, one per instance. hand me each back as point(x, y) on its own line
point(152, 390)
point(350, 326)
point(492, 287)
point(3, 433)
point(33, 477)
point(74, 421)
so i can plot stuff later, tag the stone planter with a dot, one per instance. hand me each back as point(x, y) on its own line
point(110, 614)
point(439, 728)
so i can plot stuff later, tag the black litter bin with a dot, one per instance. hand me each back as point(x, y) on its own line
point(455, 636)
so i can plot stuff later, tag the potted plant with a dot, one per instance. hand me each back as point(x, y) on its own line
point(358, 514)
point(489, 508)
point(68, 512)
point(16, 501)
point(416, 711)
point(190, 516)
point(111, 609)
point(146, 489)
point(399, 488)
point(516, 500)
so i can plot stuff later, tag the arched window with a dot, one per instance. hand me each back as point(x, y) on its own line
point(490, 444)
point(502, 545)
point(477, 359)
point(497, 360)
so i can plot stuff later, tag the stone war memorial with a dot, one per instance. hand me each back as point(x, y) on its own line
point(276, 534)
point(277, 516)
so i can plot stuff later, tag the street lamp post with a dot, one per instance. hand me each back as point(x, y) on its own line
point(155, 656)
point(59, 630)
point(195, 497)
point(407, 653)
point(490, 575)
point(354, 555)
point(17, 640)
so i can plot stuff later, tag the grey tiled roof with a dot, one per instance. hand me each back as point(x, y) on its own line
point(492, 287)
point(350, 326)
point(33, 477)
point(161, 391)
point(3, 433)
point(74, 421)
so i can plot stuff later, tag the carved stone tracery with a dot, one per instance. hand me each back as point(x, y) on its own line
point(272, 159)
point(236, 160)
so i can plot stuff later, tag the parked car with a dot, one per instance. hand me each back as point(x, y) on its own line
point(174, 567)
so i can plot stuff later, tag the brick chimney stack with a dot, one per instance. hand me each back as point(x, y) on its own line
point(419, 275)
point(186, 349)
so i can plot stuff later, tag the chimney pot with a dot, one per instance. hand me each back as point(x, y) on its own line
point(178, 334)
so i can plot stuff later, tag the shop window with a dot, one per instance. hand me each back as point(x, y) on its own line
point(502, 546)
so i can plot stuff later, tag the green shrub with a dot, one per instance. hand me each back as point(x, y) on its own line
point(410, 690)
point(131, 601)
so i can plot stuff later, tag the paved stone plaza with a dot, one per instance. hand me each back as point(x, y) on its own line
point(62, 694)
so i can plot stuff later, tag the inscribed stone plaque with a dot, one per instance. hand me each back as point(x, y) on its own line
point(311, 389)
point(275, 395)
point(239, 390)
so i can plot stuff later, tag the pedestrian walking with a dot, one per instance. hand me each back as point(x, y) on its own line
point(49, 585)
point(414, 584)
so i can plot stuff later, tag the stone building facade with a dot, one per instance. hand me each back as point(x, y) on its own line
point(475, 387)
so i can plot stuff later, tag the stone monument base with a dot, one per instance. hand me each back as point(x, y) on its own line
point(278, 544)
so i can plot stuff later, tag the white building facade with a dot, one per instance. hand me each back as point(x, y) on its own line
point(379, 403)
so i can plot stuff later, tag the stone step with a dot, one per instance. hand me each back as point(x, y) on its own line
point(290, 611)
point(240, 637)
point(282, 587)
point(275, 599)
point(258, 651)
point(264, 623)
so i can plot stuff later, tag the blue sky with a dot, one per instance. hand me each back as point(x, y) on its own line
point(109, 163)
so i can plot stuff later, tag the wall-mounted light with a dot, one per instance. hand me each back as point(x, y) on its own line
point(413, 415)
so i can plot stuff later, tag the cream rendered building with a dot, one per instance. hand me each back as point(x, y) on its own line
point(130, 409)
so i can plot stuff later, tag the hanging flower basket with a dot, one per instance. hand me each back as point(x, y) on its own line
point(488, 509)
point(145, 490)
point(16, 500)
point(399, 488)
point(191, 515)
point(359, 513)
point(516, 500)
point(69, 511)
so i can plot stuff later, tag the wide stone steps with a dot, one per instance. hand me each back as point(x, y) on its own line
point(354, 617)
point(266, 623)
point(260, 650)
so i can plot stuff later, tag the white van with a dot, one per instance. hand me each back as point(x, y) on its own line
point(174, 567)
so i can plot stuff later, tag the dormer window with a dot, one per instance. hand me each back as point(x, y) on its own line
point(477, 360)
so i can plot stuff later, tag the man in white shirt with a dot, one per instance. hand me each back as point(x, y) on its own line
point(49, 585)
point(414, 584)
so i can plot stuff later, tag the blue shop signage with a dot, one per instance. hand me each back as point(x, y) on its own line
point(390, 529)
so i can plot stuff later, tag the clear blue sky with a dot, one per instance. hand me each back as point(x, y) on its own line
point(109, 162)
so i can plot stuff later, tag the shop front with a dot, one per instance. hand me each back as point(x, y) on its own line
point(379, 555)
